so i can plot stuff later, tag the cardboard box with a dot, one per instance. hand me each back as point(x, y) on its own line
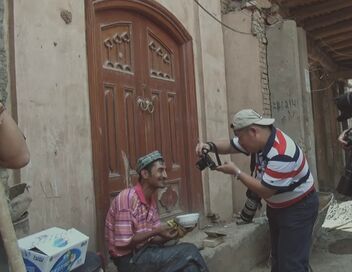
point(54, 250)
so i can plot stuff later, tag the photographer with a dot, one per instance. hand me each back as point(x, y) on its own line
point(283, 180)
point(344, 104)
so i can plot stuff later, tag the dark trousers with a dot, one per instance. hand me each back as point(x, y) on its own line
point(154, 258)
point(291, 234)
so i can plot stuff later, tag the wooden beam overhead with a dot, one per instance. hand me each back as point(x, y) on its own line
point(345, 64)
point(304, 12)
point(318, 54)
point(346, 53)
point(345, 45)
point(342, 74)
point(343, 59)
point(329, 19)
point(295, 3)
point(338, 37)
point(340, 57)
point(331, 30)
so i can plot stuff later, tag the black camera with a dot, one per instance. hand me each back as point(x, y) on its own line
point(206, 161)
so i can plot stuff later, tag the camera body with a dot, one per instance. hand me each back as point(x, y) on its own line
point(205, 161)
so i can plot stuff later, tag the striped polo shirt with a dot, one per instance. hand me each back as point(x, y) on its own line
point(282, 166)
point(129, 214)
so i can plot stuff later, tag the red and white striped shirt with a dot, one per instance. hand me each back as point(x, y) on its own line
point(129, 214)
point(280, 166)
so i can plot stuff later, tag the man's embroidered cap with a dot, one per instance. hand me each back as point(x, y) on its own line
point(144, 161)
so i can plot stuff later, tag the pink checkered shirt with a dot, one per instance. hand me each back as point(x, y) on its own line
point(129, 214)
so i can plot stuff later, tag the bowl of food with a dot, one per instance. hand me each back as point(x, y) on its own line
point(187, 220)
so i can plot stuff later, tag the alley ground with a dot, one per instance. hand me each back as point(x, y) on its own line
point(332, 251)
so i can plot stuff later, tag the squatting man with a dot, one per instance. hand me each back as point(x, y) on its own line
point(136, 238)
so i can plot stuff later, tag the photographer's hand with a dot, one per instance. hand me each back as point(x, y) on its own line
point(201, 146)
point(250, 182)
point(228, 168)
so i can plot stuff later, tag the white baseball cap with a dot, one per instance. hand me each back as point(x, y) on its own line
point(247, 117)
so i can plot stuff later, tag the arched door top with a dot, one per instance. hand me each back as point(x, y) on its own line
point(156, 12)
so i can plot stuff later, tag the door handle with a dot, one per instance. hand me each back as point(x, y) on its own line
point(150, 106)
point(145, 104)
point(142, 103)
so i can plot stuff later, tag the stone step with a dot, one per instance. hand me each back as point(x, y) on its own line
point(244, 246)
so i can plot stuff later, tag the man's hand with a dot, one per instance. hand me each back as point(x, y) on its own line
point(167, 232)
point(228, 168)
point(342, 141)
point(200, 146)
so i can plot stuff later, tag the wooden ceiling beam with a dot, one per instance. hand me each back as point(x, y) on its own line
point(295, 3)
point(338, 38)
point(301, 13)
point(340, 57)
point(345, 64)
point(342, 74)
point(341, 47)
point(345, 53)
point(317, 54)
point(325, 20)
point(331, 30)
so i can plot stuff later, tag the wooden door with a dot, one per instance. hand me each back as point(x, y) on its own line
point(165, 125)
point(140, 102)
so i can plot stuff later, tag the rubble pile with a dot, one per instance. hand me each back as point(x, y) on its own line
point(339, 216)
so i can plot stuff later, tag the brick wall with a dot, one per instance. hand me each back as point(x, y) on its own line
point(258, 28)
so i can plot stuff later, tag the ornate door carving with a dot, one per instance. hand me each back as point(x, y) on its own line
point(142, 99)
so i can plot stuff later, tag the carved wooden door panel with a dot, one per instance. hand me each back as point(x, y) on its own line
point(142, 103)
point(121, 87)
point(165, 124)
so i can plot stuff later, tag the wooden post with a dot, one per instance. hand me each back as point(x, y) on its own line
point(8, 234)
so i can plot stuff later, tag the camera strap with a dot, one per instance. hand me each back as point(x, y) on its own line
point(214, 149)
point(253, 163)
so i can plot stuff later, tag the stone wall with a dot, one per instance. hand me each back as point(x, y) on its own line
point(290, 86)
point(245, 67)
point(3, 53)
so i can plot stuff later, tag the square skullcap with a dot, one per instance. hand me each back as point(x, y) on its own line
point(144, 161)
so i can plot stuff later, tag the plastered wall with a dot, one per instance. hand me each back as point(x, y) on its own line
point(53, 107)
